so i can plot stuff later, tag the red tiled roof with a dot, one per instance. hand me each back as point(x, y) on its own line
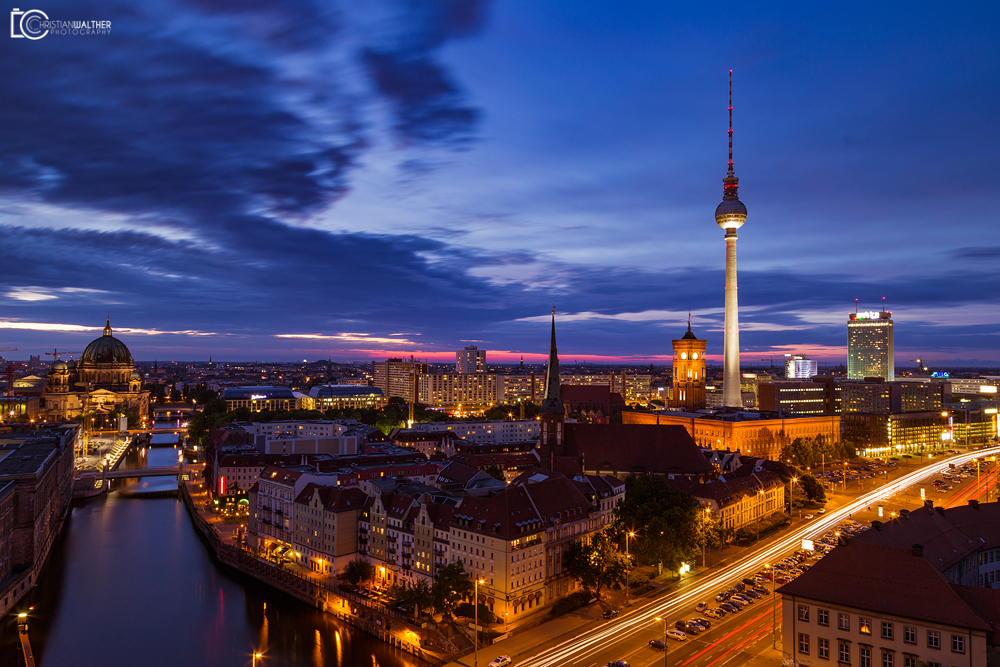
point(726, 492)
point(886, 580)
point(502, 459)
point(636, 448)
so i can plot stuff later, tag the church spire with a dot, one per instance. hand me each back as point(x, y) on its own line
point(551, 401)
point(107, 327)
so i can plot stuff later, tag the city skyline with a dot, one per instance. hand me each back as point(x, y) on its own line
point(414, 180)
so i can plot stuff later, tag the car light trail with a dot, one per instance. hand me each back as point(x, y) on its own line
point(582, 647)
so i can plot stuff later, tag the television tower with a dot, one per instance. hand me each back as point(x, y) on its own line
point(730, 215)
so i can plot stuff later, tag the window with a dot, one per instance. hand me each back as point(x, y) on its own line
point(823, 648)
point(843, 621)
point(844, 652)
point(823, 616)
point(909, 661)
point(933, 639)
point(803, 643)
point(886, 630)
point(864, 656)
point(864, 625)
point(887, 658)
point(803, 612)
point(957, 644)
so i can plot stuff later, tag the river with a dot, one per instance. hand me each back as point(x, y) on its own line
point(130, 584)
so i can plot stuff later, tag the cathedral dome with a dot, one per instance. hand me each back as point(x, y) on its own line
point(106, 350)
point(71, 365)
point(136, 375)
point(57, 366)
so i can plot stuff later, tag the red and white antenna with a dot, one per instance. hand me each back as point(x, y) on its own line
point(730, 123)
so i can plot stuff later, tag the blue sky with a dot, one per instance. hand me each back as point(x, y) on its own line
point(357, 179)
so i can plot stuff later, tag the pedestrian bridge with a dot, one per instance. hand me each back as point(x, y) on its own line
point(160, 471)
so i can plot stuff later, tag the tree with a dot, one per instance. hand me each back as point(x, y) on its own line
point(358, 570)
point(496, 472)
point(812, 488)
point(596, 563)
point(451, 585)
point(667, 517)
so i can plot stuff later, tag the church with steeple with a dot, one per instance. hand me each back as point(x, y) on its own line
point(689, 372)
point(553, 413)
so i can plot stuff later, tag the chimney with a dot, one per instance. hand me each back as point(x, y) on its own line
point(974, 503)
point(905, 514)
point(928, 504)
point(940, 510)
point(877, 525)
point(842, 540)
point(918, 550)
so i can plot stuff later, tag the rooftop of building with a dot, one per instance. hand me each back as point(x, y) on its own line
point(635, 448)
point(890, 580)
point(344, 391)
point(721, 414)
point(256, 393)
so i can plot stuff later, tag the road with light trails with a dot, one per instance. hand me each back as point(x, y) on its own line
point(636, 626)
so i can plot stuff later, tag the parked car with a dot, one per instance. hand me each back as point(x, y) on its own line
point(704, 621)
point(611, 613)
point(657, 644)
point(500, 661)
point(693, 628)
point(761, 591)
point(714, 613)
point(680, 625)
point(748, 581)
point(740, 586)
point(730, 607)
point(701, 606)
point(618, 663)
point(751, 593)
point(677, 635)
point(722, 597)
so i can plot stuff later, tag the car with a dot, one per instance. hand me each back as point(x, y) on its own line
point(762, 591)
point(714, 613)
point(657, 644)
point(748, 581)
point(500, 661)
point(941, 489)
point(677, 635)
point(782, 580)
point(680, 625)
point(729, 607)
point(751, 593)
point(767, 576)
point(611, 613)
point(701, 606)
point(742, 599)
point(704, 621)
point(693, 628)
point(809, 516)
point(618, 663)
point(722, 597)
point(739, 587)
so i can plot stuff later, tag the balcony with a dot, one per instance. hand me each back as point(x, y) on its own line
point(277, 510)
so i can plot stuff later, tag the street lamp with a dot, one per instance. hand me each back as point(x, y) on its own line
point(664, 639)
point(257, 656)
point(475, 659)
point(791, 496)
point(628, 565)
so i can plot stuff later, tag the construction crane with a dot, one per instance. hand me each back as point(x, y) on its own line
point(921, 362)
point(55, 353)
point(8, 349)
point(771, 359)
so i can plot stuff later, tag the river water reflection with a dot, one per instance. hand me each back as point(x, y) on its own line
point(131, 584)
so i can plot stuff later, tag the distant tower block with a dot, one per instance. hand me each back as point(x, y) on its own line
point(689, 372)
point(730, 215)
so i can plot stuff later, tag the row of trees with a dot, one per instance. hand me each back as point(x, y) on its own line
point(805, 452)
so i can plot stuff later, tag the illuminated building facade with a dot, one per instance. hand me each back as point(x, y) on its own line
point(799, 367)
point(259, 399)
point(104, 381)
point(751, 433)
point(869, 346)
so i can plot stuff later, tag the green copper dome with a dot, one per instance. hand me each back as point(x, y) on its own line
point(106, 350)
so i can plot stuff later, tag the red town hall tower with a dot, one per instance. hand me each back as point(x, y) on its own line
point(689, 372)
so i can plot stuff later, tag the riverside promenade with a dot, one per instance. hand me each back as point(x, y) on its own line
point(388, 625)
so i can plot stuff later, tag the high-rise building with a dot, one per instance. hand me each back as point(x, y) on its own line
point(396, 377)
point(799, 367)
point(730, 215)
point(689, 372)
point(470, 360)
point(869, 346)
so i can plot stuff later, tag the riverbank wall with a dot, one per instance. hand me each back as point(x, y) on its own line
point(386, 625)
